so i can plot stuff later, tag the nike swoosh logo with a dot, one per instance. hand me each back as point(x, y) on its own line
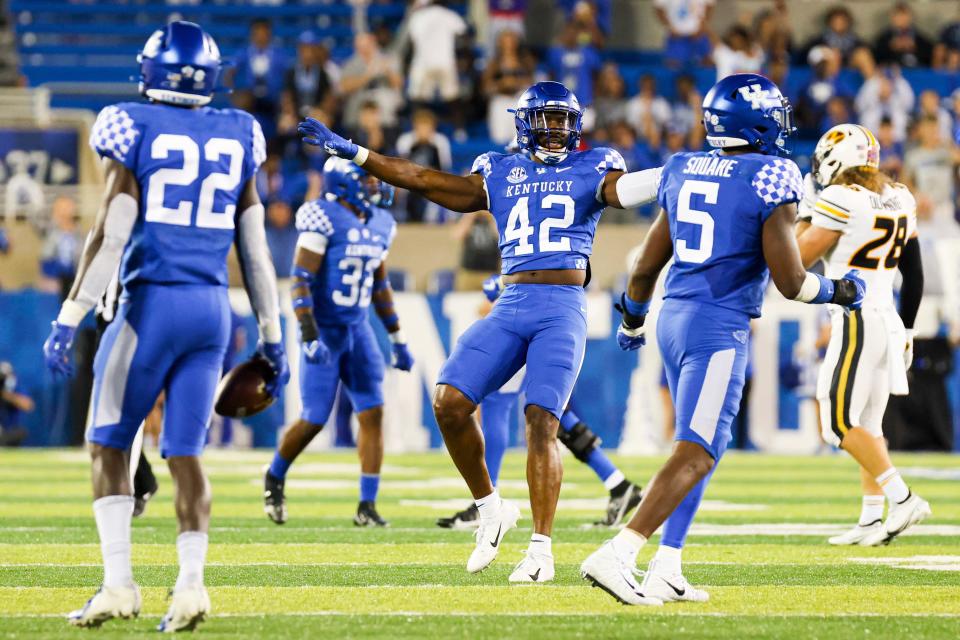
point(496, 538)
point(564, 169)
point(535, 576)
point(679, 592)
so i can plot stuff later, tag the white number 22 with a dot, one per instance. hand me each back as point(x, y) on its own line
point(520, 229)
point(187, 174)
point(702, 219)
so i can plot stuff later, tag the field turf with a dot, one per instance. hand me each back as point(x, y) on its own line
point(758, 547)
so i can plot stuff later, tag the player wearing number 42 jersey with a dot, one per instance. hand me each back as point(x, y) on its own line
point(546, 201)
point(727, 223)
point(180, 190)
point(862, 219)
point(339, 268)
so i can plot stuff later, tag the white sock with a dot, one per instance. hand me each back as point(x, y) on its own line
point(192, 551)
point(489, 506)
point(615, 478)
point(113, 515)
point(893, 486)
point(872, 510)
point(668, 560)
point(541, 545)
point(628, 544)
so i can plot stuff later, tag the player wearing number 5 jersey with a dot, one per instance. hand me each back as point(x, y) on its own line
point(546, 202)
point(727, 222)
point(180, 190)
point(862, 219)
point(339, 268)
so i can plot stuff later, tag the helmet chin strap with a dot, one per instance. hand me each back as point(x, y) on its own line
point(550, 157)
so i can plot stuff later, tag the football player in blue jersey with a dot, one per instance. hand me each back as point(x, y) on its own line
point(546, 202)
point(727, 222)
point(339, 268)
point(180, 190)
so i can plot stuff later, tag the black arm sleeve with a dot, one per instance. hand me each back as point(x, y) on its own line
point(911, 267)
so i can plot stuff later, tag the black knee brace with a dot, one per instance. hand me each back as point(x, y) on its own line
point(580, 440)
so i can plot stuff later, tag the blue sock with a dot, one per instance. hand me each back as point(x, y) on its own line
point(369, 486)
point(678, 524)
point(601, 464)
point(279, 466)
point(569, 419)
point(495, 424)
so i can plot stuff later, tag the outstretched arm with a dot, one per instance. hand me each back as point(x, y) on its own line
point(628, 190)
point(782, 254)
point(457, 193)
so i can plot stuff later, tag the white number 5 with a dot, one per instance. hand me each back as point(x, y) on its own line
point(702, 219)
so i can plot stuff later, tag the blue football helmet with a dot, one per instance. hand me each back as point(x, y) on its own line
point(180, 64)
point(344, 180)
point(548, 119)
point(748, 109)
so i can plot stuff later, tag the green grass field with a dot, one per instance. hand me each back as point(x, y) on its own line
point(752, 548)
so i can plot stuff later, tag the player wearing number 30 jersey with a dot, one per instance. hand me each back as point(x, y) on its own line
point(546, 201)
point(180, 191)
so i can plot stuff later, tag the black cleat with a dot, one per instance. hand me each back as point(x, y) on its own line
point(274, 503)
point(621, 503)
point(144, 486)
point(367, 515)
point(469, 518)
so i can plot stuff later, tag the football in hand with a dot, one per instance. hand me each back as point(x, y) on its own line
point(243, 391)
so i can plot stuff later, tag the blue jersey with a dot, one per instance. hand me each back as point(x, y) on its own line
point(716, 206)
point(354, 248)
point(546, 214)
point(191, 165)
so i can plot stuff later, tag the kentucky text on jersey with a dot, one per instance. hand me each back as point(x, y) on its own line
point(563, 186)
point(710, 166)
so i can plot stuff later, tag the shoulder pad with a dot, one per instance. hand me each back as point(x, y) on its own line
point(485, 162)
point(313, 216)
point(114, 132)
point(835, 203)
point(778, 182)
point(607, 159)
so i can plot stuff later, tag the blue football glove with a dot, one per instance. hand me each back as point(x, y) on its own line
point(56, 349)
point(318, 134)
point(861, 288)
point(631, 334)
point(273, 353)
point(316, 351)
point(630, 339)
point(401, 357)
point(493, 287)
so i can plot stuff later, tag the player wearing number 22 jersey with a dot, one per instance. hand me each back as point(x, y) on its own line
point(180, 191)
point(727, 223)
point(546, 201)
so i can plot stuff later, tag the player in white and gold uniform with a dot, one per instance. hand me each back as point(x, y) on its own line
point(863, 220)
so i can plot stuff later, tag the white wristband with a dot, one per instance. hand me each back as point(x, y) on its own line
point(71, 313)
point(361, 157)
point(397, 337)
point(810, 288)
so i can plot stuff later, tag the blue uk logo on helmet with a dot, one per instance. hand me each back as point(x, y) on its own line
point(747, 109)
point(539, 111)
point(180, 64)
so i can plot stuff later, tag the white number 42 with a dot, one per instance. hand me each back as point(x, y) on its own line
point(520, 229)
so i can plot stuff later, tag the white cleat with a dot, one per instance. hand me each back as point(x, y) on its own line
point(535, 567)
point(108, 603)
point(858, 534)
point(188, 608)
point(670, 588)
point(490, 534)
point(605, 569)
point(900, 517)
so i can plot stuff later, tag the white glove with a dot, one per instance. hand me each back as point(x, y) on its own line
point(908, 349)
